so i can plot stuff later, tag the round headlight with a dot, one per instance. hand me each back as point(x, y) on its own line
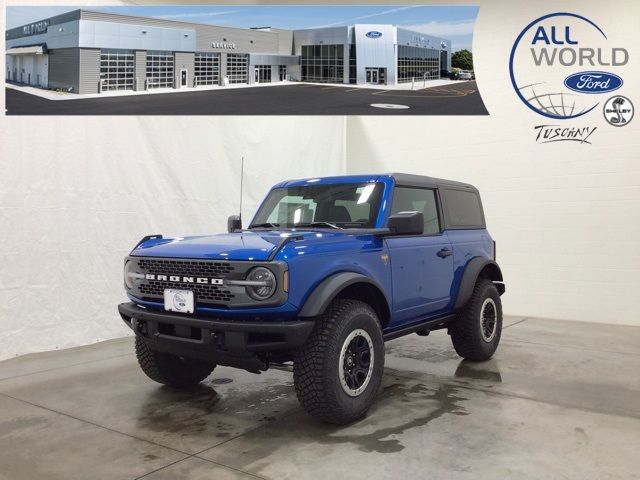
point(265, 283)
point(129, 274)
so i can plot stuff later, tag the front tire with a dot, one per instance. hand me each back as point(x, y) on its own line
point(169, 369)
point(338, 371)
point(478, 327)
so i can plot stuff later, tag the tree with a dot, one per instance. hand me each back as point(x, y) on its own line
point(462, 59)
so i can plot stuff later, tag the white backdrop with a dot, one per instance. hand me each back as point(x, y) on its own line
point(76, 194)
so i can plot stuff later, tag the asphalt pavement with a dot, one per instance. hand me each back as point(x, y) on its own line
point(298, 99)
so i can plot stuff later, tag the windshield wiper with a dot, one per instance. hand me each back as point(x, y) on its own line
point(264, 225)
point(318, 224)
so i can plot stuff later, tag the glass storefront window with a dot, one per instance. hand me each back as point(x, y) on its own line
point(263, 73)
point(417, 63)
point(322, 63)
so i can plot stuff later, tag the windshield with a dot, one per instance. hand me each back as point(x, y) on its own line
point(326, 206)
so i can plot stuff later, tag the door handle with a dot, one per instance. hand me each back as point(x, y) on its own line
point(444, 253)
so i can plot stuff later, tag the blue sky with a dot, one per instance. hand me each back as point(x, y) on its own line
point(452, 22)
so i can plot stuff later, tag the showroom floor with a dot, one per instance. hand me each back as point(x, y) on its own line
point(559, 400)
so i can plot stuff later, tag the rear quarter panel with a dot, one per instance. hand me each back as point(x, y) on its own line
point(466, 245)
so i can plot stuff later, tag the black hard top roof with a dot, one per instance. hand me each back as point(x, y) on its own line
point(411, 180)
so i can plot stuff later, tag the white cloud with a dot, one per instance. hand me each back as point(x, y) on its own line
point(370, 15)
point(444, 29)
point(177, 16)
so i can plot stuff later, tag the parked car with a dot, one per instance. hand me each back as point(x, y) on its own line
point(326, 272)
point(466, 75)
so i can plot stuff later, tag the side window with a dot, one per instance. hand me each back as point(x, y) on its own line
point(407, 199)
point(463, 208)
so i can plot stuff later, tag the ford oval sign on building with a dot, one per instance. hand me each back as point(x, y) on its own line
point(373, 34)
point(593, 82)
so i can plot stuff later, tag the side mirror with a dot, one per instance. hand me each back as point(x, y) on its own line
point(234, 223)
point(406, 223)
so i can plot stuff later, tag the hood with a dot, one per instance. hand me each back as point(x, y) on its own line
point(225, 246)
point(247, 245)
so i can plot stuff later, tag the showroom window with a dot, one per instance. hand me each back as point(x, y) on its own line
point(410, 199)
point(417, 63)
point(159, 69)
point(323, 63)
point(282, 72)
point(116, 69)
point(263, 73)
point(207, 68)
point(237, 68)
point(353, 74)
point(463, 209)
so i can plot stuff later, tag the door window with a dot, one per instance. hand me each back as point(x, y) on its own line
point(408, 199)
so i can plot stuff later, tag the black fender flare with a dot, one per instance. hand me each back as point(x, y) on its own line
point(329, 288)
point(470, 276)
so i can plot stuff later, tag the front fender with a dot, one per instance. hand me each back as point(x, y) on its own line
point(329, 288)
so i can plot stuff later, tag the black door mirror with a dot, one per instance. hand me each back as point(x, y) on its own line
point(234, 223)
point(406, 223)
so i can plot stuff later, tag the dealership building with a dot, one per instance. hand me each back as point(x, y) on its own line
point(84, 51)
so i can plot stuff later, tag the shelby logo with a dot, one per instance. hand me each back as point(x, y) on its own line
point(181, 279)
point(544, 60)
point(557, 133)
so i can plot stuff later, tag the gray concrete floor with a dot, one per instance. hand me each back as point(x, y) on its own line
point(559, 400)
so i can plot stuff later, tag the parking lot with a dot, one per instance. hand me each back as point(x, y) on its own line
point(298, 99)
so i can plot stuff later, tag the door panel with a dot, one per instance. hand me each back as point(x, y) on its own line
point(422, 279)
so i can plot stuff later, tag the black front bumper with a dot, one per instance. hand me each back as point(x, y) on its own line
point(235, 343)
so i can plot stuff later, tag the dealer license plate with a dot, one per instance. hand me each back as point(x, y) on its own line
point(178, 300)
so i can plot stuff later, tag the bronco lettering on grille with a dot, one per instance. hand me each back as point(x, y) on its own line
point(181, 279)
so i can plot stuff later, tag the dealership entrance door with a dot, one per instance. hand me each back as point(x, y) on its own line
point(184, 78)
point(376, 76)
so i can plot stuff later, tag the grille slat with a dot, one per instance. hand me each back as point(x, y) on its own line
point(186, 267)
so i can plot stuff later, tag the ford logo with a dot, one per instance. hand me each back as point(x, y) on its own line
point(374, 34)
point(593, 82)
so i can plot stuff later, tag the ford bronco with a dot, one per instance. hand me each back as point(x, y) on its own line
point(326, 272)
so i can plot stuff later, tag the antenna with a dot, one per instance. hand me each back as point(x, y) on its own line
point(241, 182)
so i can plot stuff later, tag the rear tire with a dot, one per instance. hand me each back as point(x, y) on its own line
point(478, 327)
point(338, 371)
point(169, 369)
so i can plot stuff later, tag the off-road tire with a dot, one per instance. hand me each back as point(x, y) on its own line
point(316, 364)
point(169, 369)
point(466, 331)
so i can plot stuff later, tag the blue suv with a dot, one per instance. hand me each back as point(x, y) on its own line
point(326, 272)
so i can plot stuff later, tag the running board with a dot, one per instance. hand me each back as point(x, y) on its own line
point(432, 324)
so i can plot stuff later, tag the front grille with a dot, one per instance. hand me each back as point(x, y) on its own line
point(204, 293)
point(185, 267)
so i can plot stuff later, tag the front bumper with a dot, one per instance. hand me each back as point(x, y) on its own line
point(235, 343)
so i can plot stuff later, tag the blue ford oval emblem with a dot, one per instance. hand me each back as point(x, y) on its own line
point(593, 82)
point(374, 34)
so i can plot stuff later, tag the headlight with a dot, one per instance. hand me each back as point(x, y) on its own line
point(260, 283)
point(130, 274)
